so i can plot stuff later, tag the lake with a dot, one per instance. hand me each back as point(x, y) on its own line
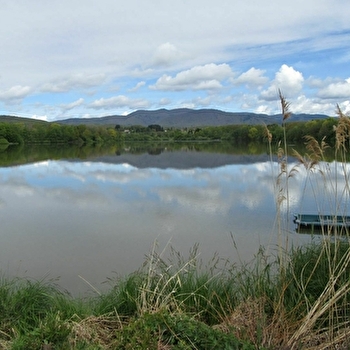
point(81, 217)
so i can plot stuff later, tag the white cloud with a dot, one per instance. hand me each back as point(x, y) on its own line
point(203, 101)
point(288, 80)
point(17, 92)
point(318, 83)
point(345, 107)
point(311, 105)
point(263, 109)
point(40, 117)
point(118, 102)
point(166, 54)
point(75, 81)
point(205, 77)
point(91, 47)
point(137, 86)
point(72, 105)
point(252, 78)
point(164, 101)
point(336, 90)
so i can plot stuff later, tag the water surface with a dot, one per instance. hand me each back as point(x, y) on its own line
point(90, 219)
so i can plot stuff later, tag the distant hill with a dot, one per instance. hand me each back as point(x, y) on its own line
point(13, 119)
point(184, 117)
point(180, 160)
point(178, 118)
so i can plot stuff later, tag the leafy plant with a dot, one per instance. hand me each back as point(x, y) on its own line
point(178, 331)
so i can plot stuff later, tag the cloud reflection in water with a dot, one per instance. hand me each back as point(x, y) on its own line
point(91, 218)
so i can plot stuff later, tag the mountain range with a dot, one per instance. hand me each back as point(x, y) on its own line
point(176, 118)
point(184, 117)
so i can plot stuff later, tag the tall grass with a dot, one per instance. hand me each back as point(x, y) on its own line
point(317, 288)
point(34, 313)
point(181, 304)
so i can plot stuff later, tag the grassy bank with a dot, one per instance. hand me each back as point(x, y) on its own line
point(180, 304)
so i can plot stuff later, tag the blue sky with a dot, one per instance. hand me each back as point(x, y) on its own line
point(63, 59)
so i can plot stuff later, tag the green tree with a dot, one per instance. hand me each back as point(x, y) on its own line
point(155, 127)
point(253, 133)
point(327, 130)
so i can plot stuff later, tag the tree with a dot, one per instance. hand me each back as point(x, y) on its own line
point(155, 127)
point(253, 133)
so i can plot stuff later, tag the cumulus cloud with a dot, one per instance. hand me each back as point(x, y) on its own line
point(287, 79)
point(303, 103)
point(166, 54)
point(75, 50)
point(203, 101)
point(263, 109)
point(118, 102)
point(345, 107)
point(164, 101)
point(137, 86)
point(72, 105)
point(205, 77)
point(40, 117)
point(336, 90)
point(318, 83)
point(252, 78)
point(75, 81)
point(17, 92)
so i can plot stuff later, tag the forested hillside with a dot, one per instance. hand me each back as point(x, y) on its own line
point(41, 132)
point(184, 117)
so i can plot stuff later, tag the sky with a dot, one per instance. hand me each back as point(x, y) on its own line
point(82, 59)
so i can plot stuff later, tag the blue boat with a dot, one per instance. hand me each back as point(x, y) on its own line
point(321, 221)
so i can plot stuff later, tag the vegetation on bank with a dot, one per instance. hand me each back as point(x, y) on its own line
point(180, 304)
point(54, 133)
point(295, 132)
point(286, 298)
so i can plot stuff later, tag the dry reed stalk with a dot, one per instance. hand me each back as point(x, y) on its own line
point(326, 302)
point(342, 130)
point(282, 185)
point(286, 113)
point(320, 340)
point(159, 297)
point(244, 319)
point(249, 322)
point(5, 344)
point(99, 330)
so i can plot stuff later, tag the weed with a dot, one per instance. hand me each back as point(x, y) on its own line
point(162, 330)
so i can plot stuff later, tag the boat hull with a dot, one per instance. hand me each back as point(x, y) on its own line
point(315, 221)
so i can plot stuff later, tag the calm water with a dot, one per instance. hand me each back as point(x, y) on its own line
point(95, 218)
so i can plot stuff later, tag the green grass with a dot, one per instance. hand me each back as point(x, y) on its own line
point(34, 313)
point(183, 305)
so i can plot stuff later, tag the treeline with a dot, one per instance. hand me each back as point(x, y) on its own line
point(295, 132)
point(54, 133)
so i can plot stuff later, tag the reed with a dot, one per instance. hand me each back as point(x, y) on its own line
point(314, 287)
